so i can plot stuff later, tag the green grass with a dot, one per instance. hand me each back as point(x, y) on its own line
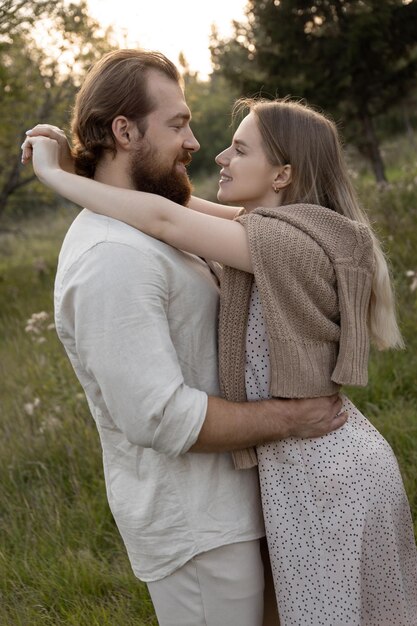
point(61, 557)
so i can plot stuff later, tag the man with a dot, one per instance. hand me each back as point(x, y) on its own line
point(138, 321)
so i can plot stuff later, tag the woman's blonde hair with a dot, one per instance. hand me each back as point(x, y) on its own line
point(295, 134)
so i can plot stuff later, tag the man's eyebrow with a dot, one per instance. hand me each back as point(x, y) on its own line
point(180, 116)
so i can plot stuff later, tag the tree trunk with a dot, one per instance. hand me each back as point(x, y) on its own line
point(372, 147)
point(9, 186)
point(12, 182)
point(13, 179)
point(408, 126)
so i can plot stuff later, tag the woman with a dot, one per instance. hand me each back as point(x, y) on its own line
point(305, 285)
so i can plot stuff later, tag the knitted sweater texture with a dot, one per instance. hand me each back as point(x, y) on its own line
point(313, 269)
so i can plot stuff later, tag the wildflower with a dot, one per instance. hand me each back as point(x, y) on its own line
point(30, 328)
point(413, 275)
point(50, 423)
point(38, 324)
point(30, 407)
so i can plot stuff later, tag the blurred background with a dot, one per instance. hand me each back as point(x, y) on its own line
point(61, 558)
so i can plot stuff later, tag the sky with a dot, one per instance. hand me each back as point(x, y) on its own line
point(170, 26)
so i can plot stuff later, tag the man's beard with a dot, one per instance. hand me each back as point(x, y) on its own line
point(147, 175)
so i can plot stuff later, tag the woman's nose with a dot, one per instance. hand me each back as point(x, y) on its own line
point(221, 159)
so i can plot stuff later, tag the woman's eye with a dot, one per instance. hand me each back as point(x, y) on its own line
point(238, 151)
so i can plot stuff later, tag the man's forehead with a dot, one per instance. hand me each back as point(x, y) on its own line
point(171, 112)
point(168, 97)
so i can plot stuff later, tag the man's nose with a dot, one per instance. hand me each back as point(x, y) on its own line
point(190, 143)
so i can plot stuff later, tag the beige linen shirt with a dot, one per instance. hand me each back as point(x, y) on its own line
point(138, 320)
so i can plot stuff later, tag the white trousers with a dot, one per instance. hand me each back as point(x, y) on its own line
point(221, 587)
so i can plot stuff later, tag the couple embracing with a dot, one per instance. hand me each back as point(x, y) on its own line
point(223, 426)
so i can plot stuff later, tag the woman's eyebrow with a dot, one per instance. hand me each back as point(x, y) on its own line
point(240, 143)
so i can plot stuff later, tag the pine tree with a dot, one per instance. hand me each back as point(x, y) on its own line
point(353, 58)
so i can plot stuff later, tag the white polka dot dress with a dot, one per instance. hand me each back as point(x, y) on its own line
point(337, 518)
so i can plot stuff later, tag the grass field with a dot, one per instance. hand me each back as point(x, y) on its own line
point(61, 558)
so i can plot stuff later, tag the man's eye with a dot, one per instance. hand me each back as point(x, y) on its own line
point(238, 151)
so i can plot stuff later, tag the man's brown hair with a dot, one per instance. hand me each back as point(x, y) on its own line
point(115, 85)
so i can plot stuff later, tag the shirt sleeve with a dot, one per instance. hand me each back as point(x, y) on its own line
point(119, 298)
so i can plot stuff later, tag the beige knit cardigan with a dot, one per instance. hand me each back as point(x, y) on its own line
point(313, 269)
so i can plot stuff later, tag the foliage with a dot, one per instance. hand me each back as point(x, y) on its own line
point(19, 15)
point(355, 58)
point(41, 65)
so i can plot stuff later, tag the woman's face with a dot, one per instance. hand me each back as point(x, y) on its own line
point(246, 176)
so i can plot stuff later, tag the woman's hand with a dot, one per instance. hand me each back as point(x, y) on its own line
point(66, 160)
point(44, 153)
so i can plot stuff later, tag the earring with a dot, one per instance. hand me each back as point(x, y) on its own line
point(276, 188)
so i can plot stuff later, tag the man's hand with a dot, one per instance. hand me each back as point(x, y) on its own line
point(313, 417)
point(66, 162)
point(236, 425)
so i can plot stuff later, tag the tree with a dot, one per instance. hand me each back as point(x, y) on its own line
point(16, 15)
point(354, 58)
point(39, 85)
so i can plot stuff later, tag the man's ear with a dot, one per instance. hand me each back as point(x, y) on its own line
point(125, 132)
point(283, 177)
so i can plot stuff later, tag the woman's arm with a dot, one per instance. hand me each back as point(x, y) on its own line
point(66, 162)
point(210, 237)
point(213, 208)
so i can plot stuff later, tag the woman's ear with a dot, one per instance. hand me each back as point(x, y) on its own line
point(124, 131)
point(283, 177)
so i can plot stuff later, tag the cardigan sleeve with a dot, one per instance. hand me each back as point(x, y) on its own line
point(354, 285)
